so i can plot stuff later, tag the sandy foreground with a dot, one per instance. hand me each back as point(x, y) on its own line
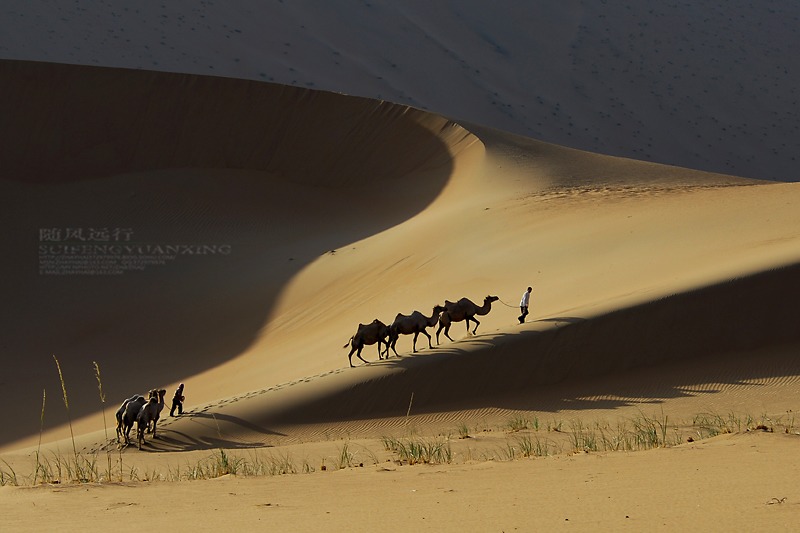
point(660, 294)
point(733, 482)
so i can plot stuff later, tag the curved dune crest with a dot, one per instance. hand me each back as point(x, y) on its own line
point(277, 175)
point(230, 234)
point(103, 121)
point(340, 211)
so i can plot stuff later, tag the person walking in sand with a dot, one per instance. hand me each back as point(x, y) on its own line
point(523, 304)
point(177, 401)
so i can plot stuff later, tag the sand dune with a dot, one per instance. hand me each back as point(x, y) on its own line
point(399, 211)
point(655, 287)
point(226, 180)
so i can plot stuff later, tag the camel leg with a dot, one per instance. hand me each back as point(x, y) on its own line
point(350, 356)
point(386, 353)
point(447, 332)
point(476, 324)
point(429, 338)
point(414, 345)
point(358, 354)
point(393, 348)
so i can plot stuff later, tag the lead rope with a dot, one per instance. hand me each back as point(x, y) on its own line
point(507, 305)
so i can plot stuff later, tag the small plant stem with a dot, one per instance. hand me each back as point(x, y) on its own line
point(41, 429)
point(66, 404)
point(408, 413)
point(102, 396)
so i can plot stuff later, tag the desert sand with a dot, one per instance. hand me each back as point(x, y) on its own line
point(265, 221)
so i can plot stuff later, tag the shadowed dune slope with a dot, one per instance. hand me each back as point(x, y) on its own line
point(695, 345)
point(280, 175)
point(505, 370)
point(66, 122)
point(339, 211)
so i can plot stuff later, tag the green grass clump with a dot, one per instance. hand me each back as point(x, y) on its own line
point(8, 476)
point(712, 424)
point(345, 458)
point(420, 451)
point(518, 423)
point(640, 433)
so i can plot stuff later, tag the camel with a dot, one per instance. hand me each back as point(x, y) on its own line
point(375, 332)
point(126, 415)
point(152, 427)
point(148, 413)
point(414, 323)
point(464, 309)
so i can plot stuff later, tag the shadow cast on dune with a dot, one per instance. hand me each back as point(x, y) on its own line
point(729, 333)
point(212, 435)
point(182, 159)
point(178, 441)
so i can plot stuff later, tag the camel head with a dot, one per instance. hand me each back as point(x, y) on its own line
point(162, 393)
point(438, 309)
point(490, 299)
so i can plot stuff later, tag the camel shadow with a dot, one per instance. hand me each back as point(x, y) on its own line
point(241, 422)
point(694, 343)
point(171, 440)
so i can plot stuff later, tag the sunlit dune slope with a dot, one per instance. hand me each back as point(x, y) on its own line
point(645, 294)
point(339, 211)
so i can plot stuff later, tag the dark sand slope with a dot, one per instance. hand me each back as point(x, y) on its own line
point(192, 160)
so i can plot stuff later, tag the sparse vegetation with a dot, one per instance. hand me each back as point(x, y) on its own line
point(420, 451)
point(527, 439)
point(518, 423)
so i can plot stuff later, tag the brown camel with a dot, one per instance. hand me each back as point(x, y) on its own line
point(414, 323)
point(464, 309)
point(149, 413)
point(376, 332)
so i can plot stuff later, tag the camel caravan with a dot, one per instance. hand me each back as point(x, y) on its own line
point(144, 412)
point(376, 332)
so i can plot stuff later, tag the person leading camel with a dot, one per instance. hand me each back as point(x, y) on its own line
point(523, 304)
point(177, 401)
